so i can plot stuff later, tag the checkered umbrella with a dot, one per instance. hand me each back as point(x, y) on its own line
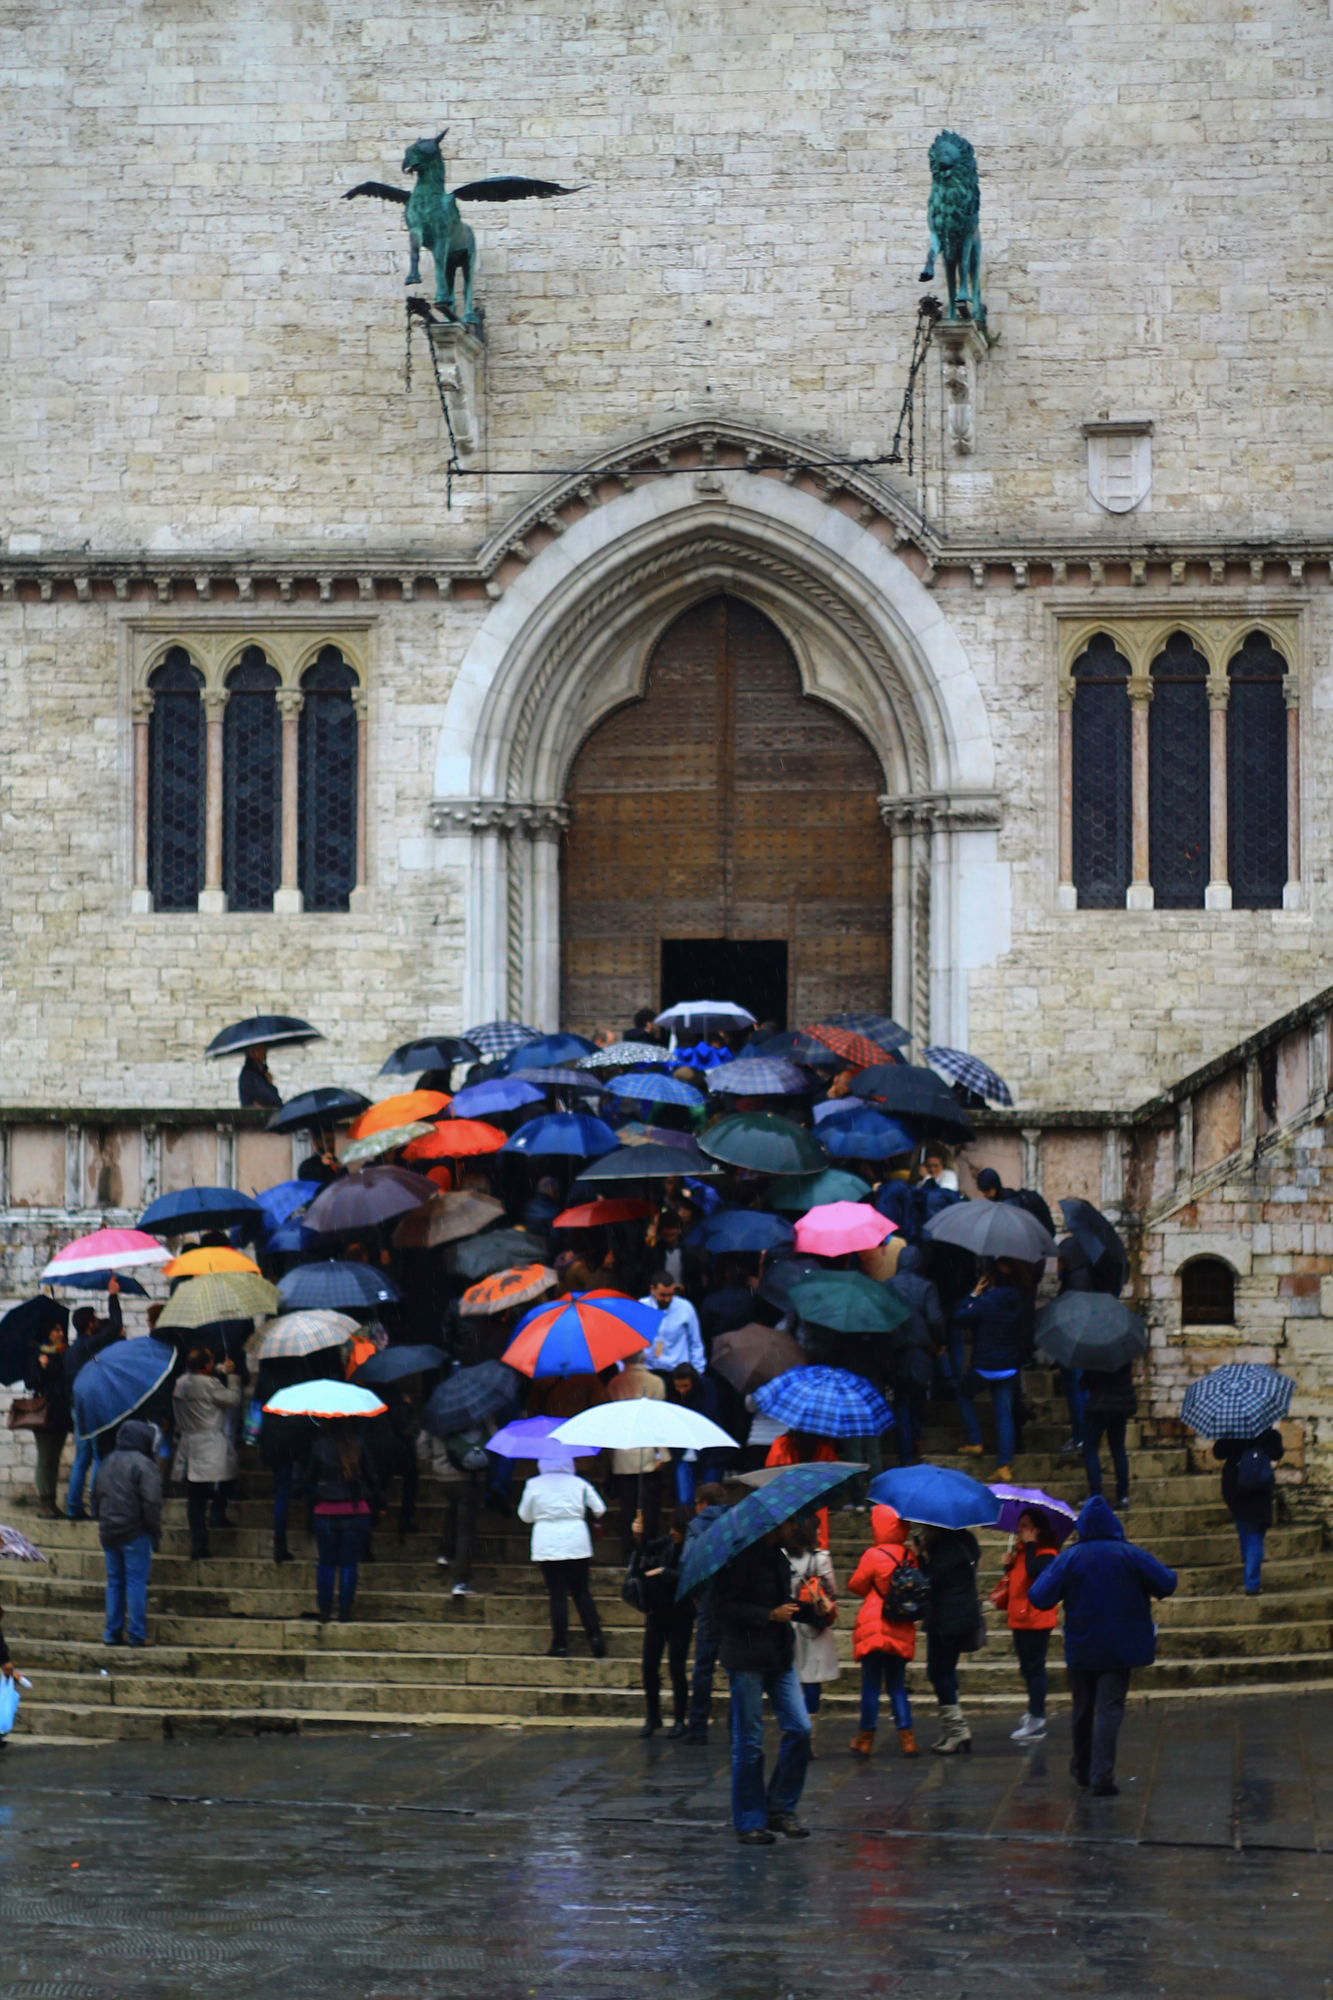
point(652, 1088)
point(498, 1038)
point(973, 1075)
point(1242, 1400)
point(300, 1333)
point(15, 1547)
point(825, 1402)
point(553, 1079)
point(470, 1395)
point(797, 1489)
point(876, 1027)
point(621, 1054)
point(758, 1076)
point(859, 1050)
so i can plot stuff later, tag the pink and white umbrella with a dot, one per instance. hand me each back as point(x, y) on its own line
point(105, 1250)
point(839, 1226)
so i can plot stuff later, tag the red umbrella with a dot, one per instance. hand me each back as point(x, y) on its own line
point(859, 1050)
point(456, 1139)
point(592, 1214)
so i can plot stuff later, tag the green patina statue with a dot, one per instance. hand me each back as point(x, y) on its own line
point(434, 223)
point(954, 215)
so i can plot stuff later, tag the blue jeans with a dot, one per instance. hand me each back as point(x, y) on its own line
point(339, 1539)
point(886, 1670)
point(1114, 1429)
point(127, 1589)
point(1251, 1554)
point(1003, 1396)
point(78, 1474)
point(750, 1803)
point(966, 1408)
point(686, 1470)
point(705, 1660)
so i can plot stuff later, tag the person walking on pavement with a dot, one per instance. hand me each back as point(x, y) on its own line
point(755, 1609)
point(1105, 1584)
point(710, 1503)
point(952, 1623)
point(654, 1571)
point(1035, 1550)
point(206, 1459)
point(556, 1505)
point(127, 1507)
point(883, 1645)
point(92, 1335)
point(1247, 1489)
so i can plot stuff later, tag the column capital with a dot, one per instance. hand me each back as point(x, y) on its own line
point(215, 703)
point(141, 704)
point(1219, 691)
point(1064, 693)
point(1140, 689)
point(1291, 690)
point(290, 703)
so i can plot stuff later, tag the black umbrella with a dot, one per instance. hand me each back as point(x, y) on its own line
point(330, 1286)
point(393, 1363)
point(316, 1110)
point(262, 1031)
point(915, 1096)
point(1108, 1259)
point(1090, 1330)
point(651, 1162)
point(359, 1201)
point(470, 1396)
point(22, 1328)
point(783, 1274)
point(764, 1142)
point(199, 1208)
point(992, 1229)
point(500, 1251)
point(431, 1052)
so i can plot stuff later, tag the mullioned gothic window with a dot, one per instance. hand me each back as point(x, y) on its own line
point(176, 783)
point(1103, 825)
point(1257, 775)
point(328, 783)
point(251, 784)
point(1178, 776)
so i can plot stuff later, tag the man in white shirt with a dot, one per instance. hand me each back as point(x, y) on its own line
point(678, 1338)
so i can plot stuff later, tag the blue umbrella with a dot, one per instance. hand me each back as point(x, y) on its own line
point(484, 1100)
point(736, 1229)
point(546, 1052)
point(759, 1076)
point(565, 1134)
point(1240, 1400)
point(393, 1363)
point(330, 1286)
point(281, 1201)
point(115, 1382)
point(564, 1079)
point(933, 1494)
point(95, 1281)
point(825, 1402)
point(797, 1490)
point(852, 1131)
point(291, 1239)
point(469, 1396)
point(653, 1088)
point(197, 1208)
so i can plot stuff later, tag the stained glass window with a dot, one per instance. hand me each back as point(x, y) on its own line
point(1178, 859)
point(251, 785)
point(1103, 821)
point(1257, 775)
point(327, 809)
point(176, 784)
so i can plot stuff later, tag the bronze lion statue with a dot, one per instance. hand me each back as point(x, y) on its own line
point(954, 215)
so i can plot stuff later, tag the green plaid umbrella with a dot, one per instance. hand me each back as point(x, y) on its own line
point(225, 1295)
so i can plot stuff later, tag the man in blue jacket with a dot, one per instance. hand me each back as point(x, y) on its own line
point(1105, 1583)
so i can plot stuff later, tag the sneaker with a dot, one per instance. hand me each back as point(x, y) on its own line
point(463, 1590)
point(1017, 1735)
point(758, 1836)
point(444, 1562)
point(787, 1822)
point(597, 1646)
point(1037, 1729)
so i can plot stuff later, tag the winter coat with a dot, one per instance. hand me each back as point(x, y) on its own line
point(919, 1293)
point(555, 1504)
point(950, 1561)
point(45, 1376)
point(873, 1632)
point(744, 1593)
point(89, 1345)
point(995, 1320)
point(1251, 1510)
point(659, 1591)
point(1022, 1567)
point(127, 1492)
point(1104, 1583)
point(635, 1380)
point(328, 1486)
point(1110, 1393)
point(816, 1650)
point(202, 1404)
point(256, 1087)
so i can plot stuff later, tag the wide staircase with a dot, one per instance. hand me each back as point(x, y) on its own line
point(233, 1643)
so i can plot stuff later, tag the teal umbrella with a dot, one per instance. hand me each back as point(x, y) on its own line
point(848, 1302)
point(763, 1142)
point(795, 1193)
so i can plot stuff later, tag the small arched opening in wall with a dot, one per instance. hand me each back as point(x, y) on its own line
point(1207, 1292)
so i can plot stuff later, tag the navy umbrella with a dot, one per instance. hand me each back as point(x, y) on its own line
point(25, 1327)
point(916, 1098)
point(865, 1135)
point(470, 1396)
point(359, 1201)
point(96, 1281)
point(498, 1094)
point(315, 1110)
point(117, 1381)
point(936, 1496)
point(334, 1287)
point(798, 1047)
point(262, 1031)
point(1090, 1330)
point(571, 1135)
point(393, 1363)
point(782, 1276)
point(198, 1208)
point(740, 1229)
point(430, 1052)
point(797, 1489)
point(547, 1052)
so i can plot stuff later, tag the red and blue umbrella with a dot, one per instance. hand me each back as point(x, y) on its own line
point(581, 1335)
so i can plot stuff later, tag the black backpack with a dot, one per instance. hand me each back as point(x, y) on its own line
point(908, 1596)
point(1254, 1471)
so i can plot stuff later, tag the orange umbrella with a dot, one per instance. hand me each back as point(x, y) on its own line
point(404, 1109)
point(592, 1214)
point(456, 1139)
point(504, 1289)
point(203, 1263)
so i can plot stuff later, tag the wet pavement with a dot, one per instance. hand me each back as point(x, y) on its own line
point(528, 1864)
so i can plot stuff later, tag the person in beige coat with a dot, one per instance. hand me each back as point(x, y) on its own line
point(205, 1454)
point(629, 1468)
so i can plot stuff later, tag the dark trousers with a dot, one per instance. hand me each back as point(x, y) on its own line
point(1099, 1710)
point(1114, 1430)
point(670, 1633)
point(282, 1502)
point(340, 1539)
point(563, 1581)
point(1031, 1650)
point(627, 1492)
point(705, 1662)
point(460, 1526)
point(198, 1496)
point(943, 1650)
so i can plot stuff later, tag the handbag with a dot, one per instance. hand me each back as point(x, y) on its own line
point(814, 1593)
point(975, 1639)
point(27, 1413)
point(9, 1703)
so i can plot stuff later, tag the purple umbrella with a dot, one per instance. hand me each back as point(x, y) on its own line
point(1015, 1499)
point(530, 1437)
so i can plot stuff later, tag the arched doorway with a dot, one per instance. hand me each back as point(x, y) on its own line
point(724, 830)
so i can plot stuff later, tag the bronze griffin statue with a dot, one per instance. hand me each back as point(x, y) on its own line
point(434, 223)
point(954, 215)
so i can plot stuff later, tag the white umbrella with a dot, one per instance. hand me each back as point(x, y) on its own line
point(637, 1423)
point(325, 1399)
point(705, 1015)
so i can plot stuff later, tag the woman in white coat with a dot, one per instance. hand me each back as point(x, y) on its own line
point(814, 1583)
point(557, 1504)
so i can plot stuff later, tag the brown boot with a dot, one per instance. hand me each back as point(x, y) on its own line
point(862, 1743)
point(908, 1742)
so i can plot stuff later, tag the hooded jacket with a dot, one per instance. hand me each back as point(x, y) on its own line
point(995, 1320)
point(874, 1633)
point(127, 1492)
point(1105, 1584)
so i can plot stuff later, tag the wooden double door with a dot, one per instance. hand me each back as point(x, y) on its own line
point(725, 805)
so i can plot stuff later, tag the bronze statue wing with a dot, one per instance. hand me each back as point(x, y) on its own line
point(381, 190)
point(510, 187)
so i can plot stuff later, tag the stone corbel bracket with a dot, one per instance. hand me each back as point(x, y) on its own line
point(537, 818)
point(963, 346)
point(942, 812)
point(457, 356)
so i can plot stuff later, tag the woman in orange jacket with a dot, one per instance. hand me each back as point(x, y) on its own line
point(800, 1448)
point(1034, 1549)
point(882, 1645)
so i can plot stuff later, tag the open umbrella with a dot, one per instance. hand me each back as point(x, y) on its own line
point(330, 1286)
point(851, 1130)
point(376, 1144)
point(1090, 1330)
point(409, 1107)
point(749, 1356)
point(291, 1239)
point(758, 1076)
point(206, 1301)
point(497, 1250)
point(572, 1135)
point(557, 1078)
point(794, 1045)
point(430, 1052)
point(973, 1074)
point(198, 1208)
point(118, 1381)
point(105, 1250)
point(622, 1055)
point(704, 1017)
point(782, 1273)
point(858, 1050)
point(498, 1038)
point(503, 1290)
point(638, 1423)
point(530, 1437)
point(97, 1281)
point(325, 1400)
point(836, 1228)
point(24, 1327)
point(633, 1164)
point(318, 1110)
point(276, 1205)
point(262, 1031)
point(875, 1027)
point(796, 1194)
point(1014, 1499)
point(457, 1139)
point(825, 1402)
point(501, 1094)
point(744, 1230)
point(764, 1142)
point(1099, 1240)
point(206, 1263)
point(395, 1364)
point(15, 1547)
point(581, 1335)
point(598, 1214)
point(547, 1052)
point(916, 1098)
point(297, 1334)
point(935, 1496)
point(469, 1396)
point(797, 1489)
point(1241, 1400)
point(446, 1218)
point(651, 1087)
point(992, 1229)
point(360, 1200)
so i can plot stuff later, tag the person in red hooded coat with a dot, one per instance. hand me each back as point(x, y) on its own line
point(882, 1645)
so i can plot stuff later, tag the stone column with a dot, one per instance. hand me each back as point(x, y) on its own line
point(1291, 893)
point(1139, 895)
point(1066, 895)
point(1217, 895)
point(534, 865)
point(212, 901)
point(141, 901)
point(360, 896)
point(287, 899)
